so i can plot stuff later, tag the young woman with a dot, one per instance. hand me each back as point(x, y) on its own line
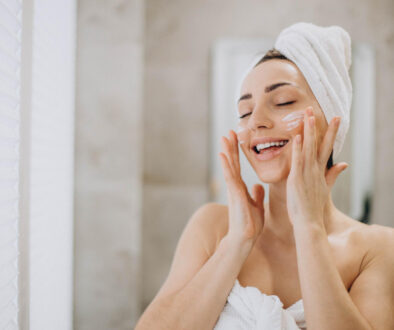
point(296, 261)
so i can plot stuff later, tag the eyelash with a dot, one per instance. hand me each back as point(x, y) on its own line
point(282, 104)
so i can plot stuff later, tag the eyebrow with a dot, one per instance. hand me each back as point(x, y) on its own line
point(267, 89)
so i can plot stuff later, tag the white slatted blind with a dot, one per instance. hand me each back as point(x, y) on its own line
point(38, 161)
point(10, 52)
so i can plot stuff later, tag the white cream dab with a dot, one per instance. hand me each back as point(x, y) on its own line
point(240, 130)
point(293, 119)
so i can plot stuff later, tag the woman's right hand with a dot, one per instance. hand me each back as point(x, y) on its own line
point(246, 213)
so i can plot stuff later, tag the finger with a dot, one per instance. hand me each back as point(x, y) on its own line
point(333, 173)
point(304, 129)
point(233, 181)
point(227, 171)
point(258, 195)
point(296, 155)
point(235, 149)
point(329, 140)
point(232, 153)
point(310, 137)
point(227, 151)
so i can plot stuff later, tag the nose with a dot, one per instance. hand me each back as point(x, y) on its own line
point(259, 118)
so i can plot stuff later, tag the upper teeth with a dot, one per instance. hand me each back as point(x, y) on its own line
point(269, 144)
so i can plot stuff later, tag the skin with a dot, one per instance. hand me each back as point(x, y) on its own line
point(300, 222)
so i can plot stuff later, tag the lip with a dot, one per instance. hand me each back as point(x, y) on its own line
point(267, 155)
point(265, 139)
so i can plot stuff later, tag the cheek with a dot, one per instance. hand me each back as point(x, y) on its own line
point(246, 152)
point(298, 130)
point(293, 122)
point(243, 134)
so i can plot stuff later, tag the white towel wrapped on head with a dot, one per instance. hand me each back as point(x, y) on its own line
point(323, 55)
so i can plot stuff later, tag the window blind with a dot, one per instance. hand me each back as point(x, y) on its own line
point(10, 52)
point(45, 108)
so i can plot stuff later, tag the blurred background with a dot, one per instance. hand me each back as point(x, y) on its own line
point(135, 97)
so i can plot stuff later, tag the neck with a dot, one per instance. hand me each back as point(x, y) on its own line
point(277, 223)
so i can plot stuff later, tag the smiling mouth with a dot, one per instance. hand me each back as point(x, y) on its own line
point(270, 146)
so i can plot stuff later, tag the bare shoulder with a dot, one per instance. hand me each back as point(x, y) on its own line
point(374, 235)
point(376, 240)
point(381, 240)
point(212, 222)
point(383, 234)
point(373, 289)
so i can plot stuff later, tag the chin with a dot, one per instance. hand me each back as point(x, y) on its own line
point(273, 175)
point(272, 171)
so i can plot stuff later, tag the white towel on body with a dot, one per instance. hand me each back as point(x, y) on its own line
point(249, 309)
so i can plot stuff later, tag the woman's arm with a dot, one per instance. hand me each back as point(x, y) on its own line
point(198, 303)
point(327, 303)
point(373, 289)
point(196, 289)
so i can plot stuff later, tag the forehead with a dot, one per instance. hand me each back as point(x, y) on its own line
point(273, 71)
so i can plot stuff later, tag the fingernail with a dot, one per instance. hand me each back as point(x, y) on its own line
point(311, 121)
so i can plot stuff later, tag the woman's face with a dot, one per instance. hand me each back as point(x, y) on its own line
point(272, 110)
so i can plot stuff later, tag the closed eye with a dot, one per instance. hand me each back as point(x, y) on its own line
point(281, 104)
point(243, 116)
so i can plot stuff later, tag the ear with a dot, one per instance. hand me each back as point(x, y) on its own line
point(333, 173)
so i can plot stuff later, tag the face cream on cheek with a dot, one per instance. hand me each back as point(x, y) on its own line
point(293, 119)
point(242, 134)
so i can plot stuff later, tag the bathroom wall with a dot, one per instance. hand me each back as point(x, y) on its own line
point(179, 36)
point(108, 164)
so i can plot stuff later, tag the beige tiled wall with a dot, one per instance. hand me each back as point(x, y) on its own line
point(108, 168)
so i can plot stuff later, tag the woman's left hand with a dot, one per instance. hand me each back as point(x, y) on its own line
point(309, 183)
